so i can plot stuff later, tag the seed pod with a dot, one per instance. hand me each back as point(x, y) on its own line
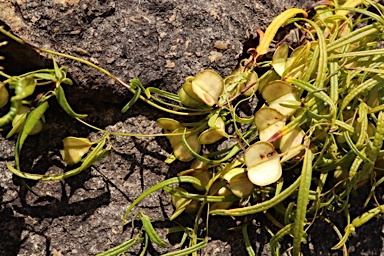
point(239, 183)
point(204, 175)
point(222, 191)
point(19, 120)
point(206, 87)
point(268, 121)
point(183, 204)
point(276, 92)
point(216, 187)
point(4, 95)
point(235, 82)
point(263, 162)
point(198, 165)
point(279, 59)
point(239, 79)
point(75, 149)
point(187, 96)
point(168, 124)
point(252, 80)
point(213, 134)
point(340, 173)
point(179, 150)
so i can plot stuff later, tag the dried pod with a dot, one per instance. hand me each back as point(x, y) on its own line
point(204, 175)
point(183, 204)
point(239, 183)
point(213, 134)
point(279, 59)
point(277, 92)
point(179, 150)
point(168, 124)
point(263, 162)
point(268, 121)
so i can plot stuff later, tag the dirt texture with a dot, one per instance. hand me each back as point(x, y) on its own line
point(162, 42)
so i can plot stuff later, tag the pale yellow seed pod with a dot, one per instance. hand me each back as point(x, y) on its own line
point(241, 186)
point(4, 96)
point(213, 134)
point(208, 86)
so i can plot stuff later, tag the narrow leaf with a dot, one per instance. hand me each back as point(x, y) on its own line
point(135, 97)
point(60, 96)
point(272, 29)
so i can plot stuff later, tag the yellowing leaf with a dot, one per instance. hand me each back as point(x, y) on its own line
point(272, 29)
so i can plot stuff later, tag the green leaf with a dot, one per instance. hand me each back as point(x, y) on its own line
point(121, 248)
point(160, 185)
point(44, 76)
point(248, 245)
point(60, 96)
point(135, 97)
point(17, 124)
point(147, 224)
point(67, 81)
point(32, 118)
point(302, 201)
point(58, 73)
point(188, 250)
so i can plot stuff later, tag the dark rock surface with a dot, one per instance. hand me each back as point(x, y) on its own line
point(162, 42)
